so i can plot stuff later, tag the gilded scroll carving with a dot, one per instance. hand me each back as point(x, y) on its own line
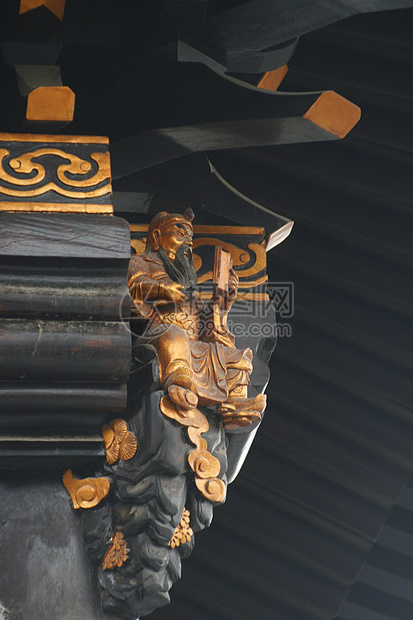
point(24, 165)
point(239, 257)
point(206, 467)
point(86, 493)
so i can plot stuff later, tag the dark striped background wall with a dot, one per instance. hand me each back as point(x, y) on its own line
point(334, 452)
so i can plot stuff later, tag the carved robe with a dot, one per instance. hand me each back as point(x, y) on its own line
point(181, 332)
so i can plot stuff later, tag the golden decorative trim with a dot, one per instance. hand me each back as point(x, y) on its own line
point(120, 443)
point(139, 228)
point(334, 113)
point(85, 493)
point(228, 230)
point(239, 257)
point(183, 533)
point(249, 284)
point(205, 466)
point(241, 296)
point(117, 553)
point(52, 138)
point(252, 283)
point(212, 230)
point(56, 207)
point(23, 165)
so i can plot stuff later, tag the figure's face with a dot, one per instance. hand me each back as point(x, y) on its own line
point(172, 239)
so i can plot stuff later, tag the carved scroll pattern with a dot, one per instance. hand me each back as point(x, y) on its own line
point(25, 176)
point(205, 466)
point(240, 257)
point(85, 493)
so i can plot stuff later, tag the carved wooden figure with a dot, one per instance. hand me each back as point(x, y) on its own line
point(192, 407)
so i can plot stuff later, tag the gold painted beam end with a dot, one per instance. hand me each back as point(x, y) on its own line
point(334, 113)
point(51, 104)
point(272, 79)
point(55, 207)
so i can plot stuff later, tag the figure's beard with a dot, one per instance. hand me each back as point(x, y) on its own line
point(182, 269)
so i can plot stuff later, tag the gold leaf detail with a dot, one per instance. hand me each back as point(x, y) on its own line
point(183, 533)
point(127, 447)
point(85, 493)
point(204, 465)
point(24, 165)
point(120, 443)
point(117, 553)
point(213, 489)
point(120, 428)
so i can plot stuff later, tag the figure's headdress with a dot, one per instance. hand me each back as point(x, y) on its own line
point(164, 220)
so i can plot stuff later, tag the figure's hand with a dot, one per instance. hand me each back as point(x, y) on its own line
point(174, 292)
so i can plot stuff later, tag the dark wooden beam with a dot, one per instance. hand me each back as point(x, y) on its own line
point(237, 60)
point(325, 116)
point(195, 181)
point(261, 24)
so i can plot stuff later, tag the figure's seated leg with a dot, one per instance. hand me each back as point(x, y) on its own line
point(174, 358)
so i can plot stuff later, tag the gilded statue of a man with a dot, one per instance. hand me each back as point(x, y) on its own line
point(197, 357)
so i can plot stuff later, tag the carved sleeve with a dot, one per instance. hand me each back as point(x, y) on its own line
point(144, 290)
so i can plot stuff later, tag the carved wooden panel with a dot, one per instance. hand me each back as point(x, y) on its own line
point(55, 173)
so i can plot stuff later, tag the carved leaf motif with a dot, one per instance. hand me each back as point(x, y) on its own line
point(183, 533)
point(117, 553)
point(204, 465)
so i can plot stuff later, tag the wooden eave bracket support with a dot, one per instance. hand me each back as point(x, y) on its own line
point(334, 114)
point(57, 7)
point(47, 99)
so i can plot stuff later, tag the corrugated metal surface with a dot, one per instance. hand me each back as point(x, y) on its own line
point(335, 449)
